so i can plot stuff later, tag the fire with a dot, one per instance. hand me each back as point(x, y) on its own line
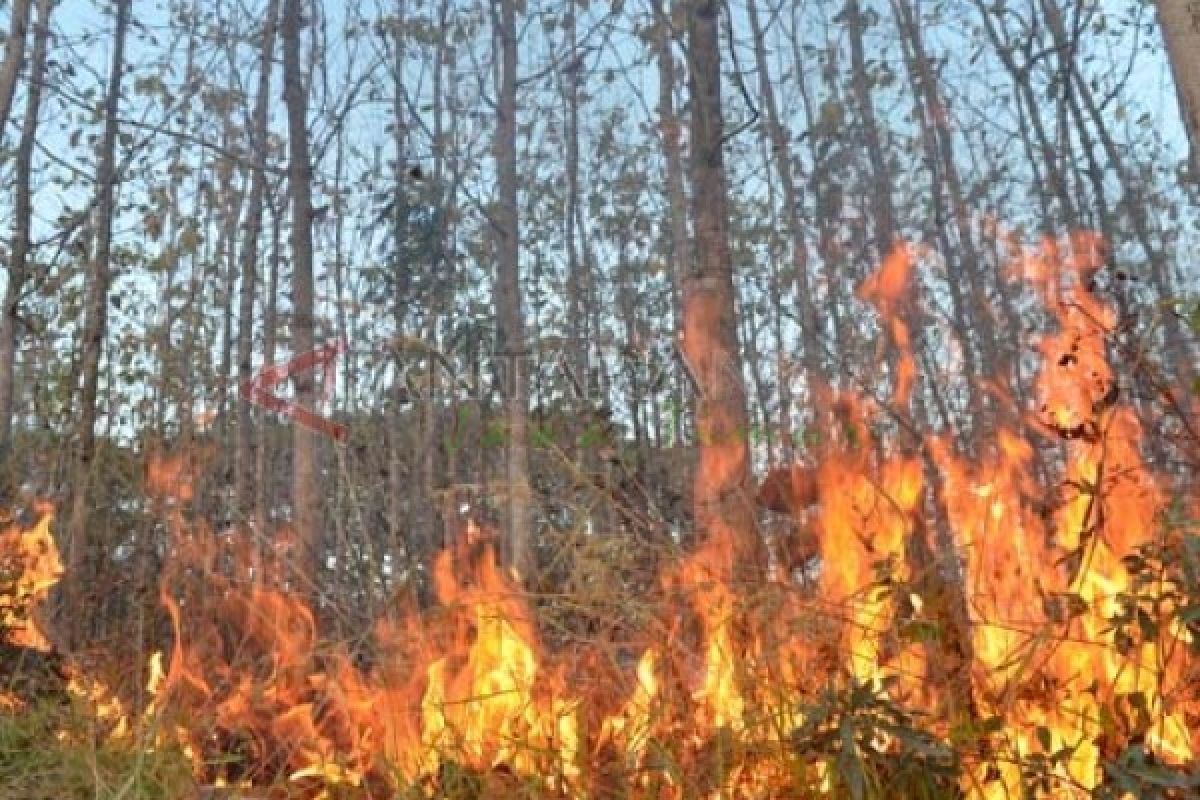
point(923, 555)
point(29, 569)
point(487, 711)
point(889, 290)
point(866, 522)
point(1042, 592)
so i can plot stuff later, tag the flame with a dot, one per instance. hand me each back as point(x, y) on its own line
point(723, 694)
point(486, 711)
point(467, 683)
point(30, 565)
point(1051, 677)
point(889, 290)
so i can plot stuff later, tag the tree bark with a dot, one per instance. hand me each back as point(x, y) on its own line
point(1181, 31)
point(243, 466)
point(96, 322)
point(168, 357)
point(669, 130)
point(966, 287)
point(782, 157)
point(23, 216)
point(722, 501)
point(509, 316)
point(14, 58)
point(263, 483)
point(860, 87)
point(305, 487)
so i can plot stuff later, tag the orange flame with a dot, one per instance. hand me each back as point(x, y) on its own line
point(714, 705)
point(29, 560)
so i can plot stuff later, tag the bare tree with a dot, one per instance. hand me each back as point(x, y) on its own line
point(243, 465)
point(96, 309)
point(578, 277)
point(305, 487)
point(723, 507)
point(1181, 30)
point(510, 322)
point(669, 130)
point(967, 289)
point(264, 487)
point(781, 152)
point(176, 230)
point(23, 216)
point(14, 58)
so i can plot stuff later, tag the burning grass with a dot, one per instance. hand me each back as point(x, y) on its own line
point(965, 632)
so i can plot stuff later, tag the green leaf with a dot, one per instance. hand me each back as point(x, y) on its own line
point(1190, 615)
point(542, 437)
point(592, 436)
point(495, 435)
point(849, 764)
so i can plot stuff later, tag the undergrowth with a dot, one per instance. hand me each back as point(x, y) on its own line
point(54, 751)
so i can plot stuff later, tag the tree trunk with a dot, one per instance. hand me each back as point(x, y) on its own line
point(510, 322)
point(243, 466)
point(95, 323)
point(669, 129)
point(1027, 103)
point(825, 150)
point(305, 487)
point(966, 289)
point(23, 213)
point(860, 86)
point(1181, 31)
point(14, 58)
point(722, 501)
point(578, 279)
point(264, 484)
point(168, 357)
point(433, 438)
point(232, 196)
point(782, 153)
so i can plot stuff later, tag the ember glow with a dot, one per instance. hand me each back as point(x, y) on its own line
point(1027, 668)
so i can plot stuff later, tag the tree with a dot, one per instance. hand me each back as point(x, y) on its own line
point(23, 214)
point(579, 278)
point(306, 505)
point(411, 517)
point(967, 290)
point(14, 58)
point(96, 308)
point(177, 231)
point(669, 128)
point(723, 506)
point(510, 322)
point(1181, 31)
point(243, 466)
point(781, 152)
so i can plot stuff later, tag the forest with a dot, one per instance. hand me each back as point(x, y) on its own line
point(606, 400)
